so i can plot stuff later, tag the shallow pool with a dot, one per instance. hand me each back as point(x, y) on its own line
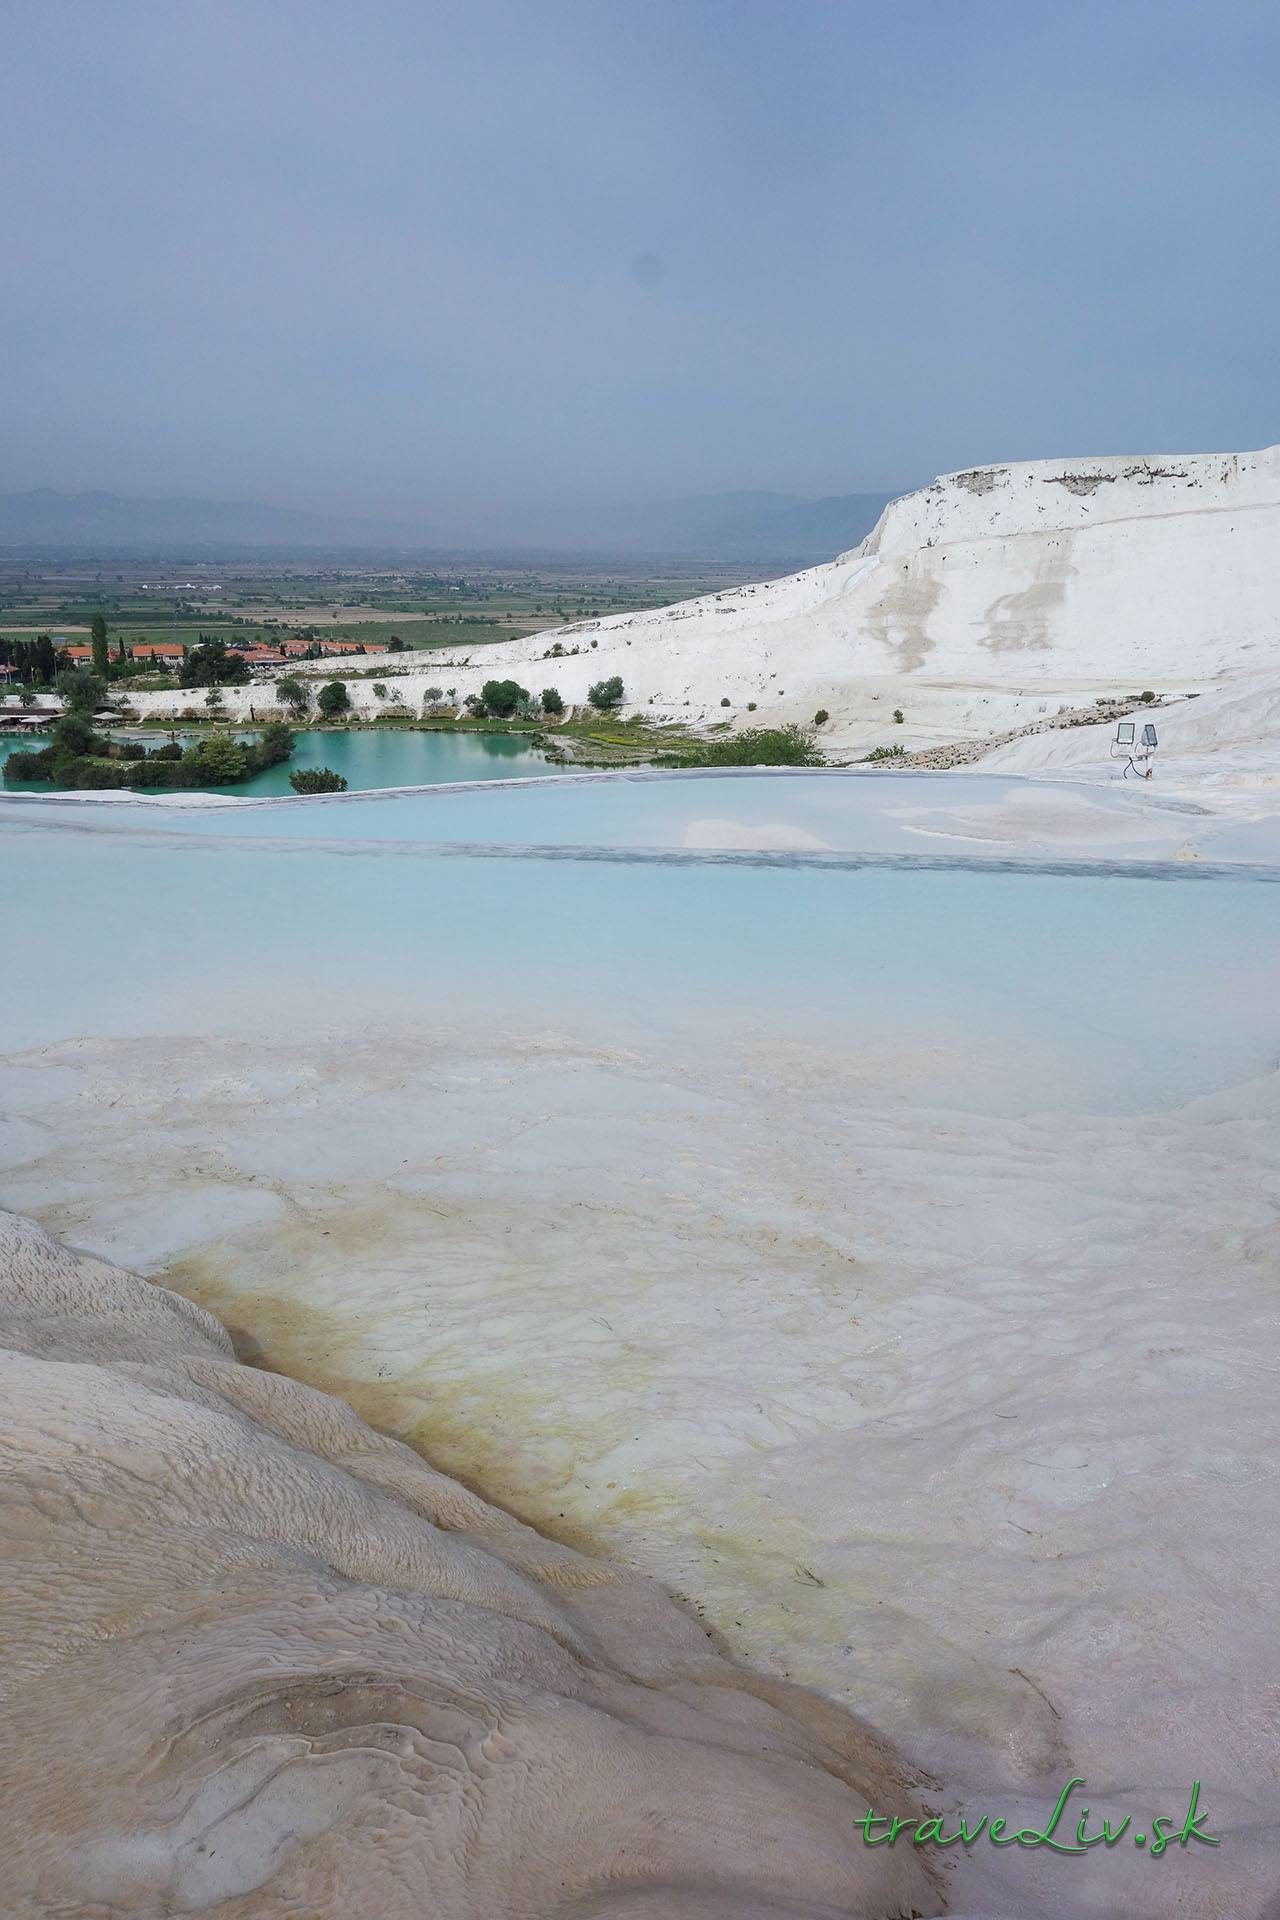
point(593, 905)
point(847, 1198)
point(820, 815)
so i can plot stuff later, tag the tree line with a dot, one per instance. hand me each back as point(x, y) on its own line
point(80, 757)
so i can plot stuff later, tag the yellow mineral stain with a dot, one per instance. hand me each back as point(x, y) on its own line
point(495, 1432)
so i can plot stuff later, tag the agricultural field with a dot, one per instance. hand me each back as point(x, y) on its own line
point(445, 606)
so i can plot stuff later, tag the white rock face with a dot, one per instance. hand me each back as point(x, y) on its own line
point(261, 1661)
point(1225, 744)
point(980, 603)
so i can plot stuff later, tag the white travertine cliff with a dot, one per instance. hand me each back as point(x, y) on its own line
point(979, 604)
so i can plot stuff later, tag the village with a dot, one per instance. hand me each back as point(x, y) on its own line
point(161, 656)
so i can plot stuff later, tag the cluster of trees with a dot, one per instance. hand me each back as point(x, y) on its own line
point(315, 651)
point(506, 699)
point(118, 665)
point(332, 699)
point(39, 660)
point(210, 664)
point(80, 757)
point(503, 699)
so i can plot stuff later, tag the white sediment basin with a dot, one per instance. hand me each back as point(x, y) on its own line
point(848, 1198)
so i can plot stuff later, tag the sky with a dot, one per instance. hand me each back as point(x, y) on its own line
point(457, 261)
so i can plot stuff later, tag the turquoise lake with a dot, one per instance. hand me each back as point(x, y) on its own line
point(365, 757)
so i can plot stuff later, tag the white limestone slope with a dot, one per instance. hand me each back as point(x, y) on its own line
point(983, 602)
point(1225, 744)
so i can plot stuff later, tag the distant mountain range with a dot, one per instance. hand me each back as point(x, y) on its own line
point(738, 526)
point(47, 518)
point(723, 526)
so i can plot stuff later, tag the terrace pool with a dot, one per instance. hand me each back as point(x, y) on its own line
point(794, 814)
point(848, 1198)
point(824, 909)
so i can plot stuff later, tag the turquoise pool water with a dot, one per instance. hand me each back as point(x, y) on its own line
point(1115, 986)
point(366, 757)
point(785, 814)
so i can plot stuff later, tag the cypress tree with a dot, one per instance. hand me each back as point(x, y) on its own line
point(98, 635)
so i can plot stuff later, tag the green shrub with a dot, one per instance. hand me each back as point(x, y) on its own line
point(273, 746)
point(156, 771)
point(217, 762)
point(885, 753)
point(725, 702)
point(754, 747)
point(606, 694)
point(73, 736)
point(30, 766)
point(898, 715)
point(316, 780)
point(821, 717)
point(503, 697)
point(81, 690)
point(379, 691)
point(333, 698)
point(84, 775)
point(294, 693)
point(551, 701)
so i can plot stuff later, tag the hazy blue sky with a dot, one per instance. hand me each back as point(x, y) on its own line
point(437, 258)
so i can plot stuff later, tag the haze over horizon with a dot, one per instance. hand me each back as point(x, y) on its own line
point(475, 265)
